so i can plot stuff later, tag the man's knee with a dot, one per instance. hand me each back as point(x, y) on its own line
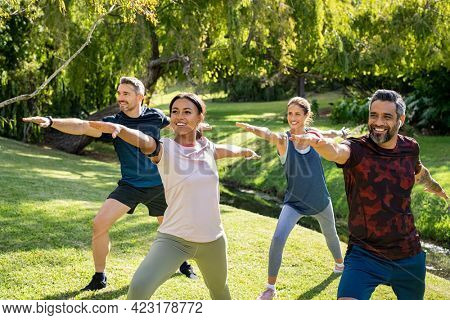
point(101, 223)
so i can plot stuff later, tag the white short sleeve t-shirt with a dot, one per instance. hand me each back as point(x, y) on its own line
point(191, 186)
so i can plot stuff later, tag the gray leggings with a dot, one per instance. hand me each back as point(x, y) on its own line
point(286, 222)
point(165, 256)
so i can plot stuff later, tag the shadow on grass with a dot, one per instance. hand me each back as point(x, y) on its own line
point(110, 295)
point(311, 293)
point(34, 229)
point(97, 295)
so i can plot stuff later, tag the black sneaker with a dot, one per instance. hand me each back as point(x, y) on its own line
point(97, 283)
point(188, 271)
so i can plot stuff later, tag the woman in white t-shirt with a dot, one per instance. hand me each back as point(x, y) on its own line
point(192, 228)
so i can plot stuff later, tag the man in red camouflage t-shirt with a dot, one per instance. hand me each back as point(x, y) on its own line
point(379, 172)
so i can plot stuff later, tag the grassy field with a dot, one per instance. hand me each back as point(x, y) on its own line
point(49, 199)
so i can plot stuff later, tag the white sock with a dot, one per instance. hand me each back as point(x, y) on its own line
point(340, 265)
point(270, 286)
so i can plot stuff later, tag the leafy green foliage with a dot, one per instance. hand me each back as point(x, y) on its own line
point(428, 107)
point(347, 110)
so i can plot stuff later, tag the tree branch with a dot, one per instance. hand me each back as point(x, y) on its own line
point(46, 82)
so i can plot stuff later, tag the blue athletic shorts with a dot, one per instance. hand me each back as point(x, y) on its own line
point(364, 271)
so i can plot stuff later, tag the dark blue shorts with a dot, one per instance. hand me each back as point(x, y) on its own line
point(364, 271)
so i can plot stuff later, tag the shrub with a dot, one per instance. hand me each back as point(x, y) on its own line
point(350, 111)
point(243, 89)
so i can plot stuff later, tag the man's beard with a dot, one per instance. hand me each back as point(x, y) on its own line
point(383, 137)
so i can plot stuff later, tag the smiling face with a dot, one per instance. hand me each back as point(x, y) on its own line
point(384, 122)
point(296, 116)
point(127, 98)
point(185, 117)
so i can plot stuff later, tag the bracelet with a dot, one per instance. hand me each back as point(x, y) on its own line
point(49, 119)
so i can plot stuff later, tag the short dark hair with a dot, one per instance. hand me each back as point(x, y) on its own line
point(392, 96)
point(137, 84)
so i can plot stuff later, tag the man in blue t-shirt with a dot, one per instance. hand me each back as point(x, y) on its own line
point(140, 182)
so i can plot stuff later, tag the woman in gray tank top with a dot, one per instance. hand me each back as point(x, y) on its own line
point(306, 193)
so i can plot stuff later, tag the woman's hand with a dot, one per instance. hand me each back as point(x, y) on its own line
point(307, 139)
point(249, 154)
point(107, 127)
point(245, 126)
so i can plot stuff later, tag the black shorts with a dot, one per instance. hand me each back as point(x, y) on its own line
point(153, 198)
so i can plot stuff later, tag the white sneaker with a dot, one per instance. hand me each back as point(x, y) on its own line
point(267, 294)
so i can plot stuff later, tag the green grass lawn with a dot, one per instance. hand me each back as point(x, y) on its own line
point(49, 198)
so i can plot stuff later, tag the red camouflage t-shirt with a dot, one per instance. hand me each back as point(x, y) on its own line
point(378, 183)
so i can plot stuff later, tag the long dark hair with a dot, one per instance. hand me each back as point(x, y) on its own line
point(196, 100)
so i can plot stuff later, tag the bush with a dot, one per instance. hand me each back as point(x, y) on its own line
point(428, 107)
point(350, 111)
point(243, 89)
point(315, 108)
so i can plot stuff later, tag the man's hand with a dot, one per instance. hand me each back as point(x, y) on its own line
point(106, 127)
point(307, 140)
point(42, 122)
point(440, 193)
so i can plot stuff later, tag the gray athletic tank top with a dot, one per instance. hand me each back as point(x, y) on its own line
point(306, 188)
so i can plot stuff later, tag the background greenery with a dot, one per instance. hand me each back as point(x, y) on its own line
point(257, 50)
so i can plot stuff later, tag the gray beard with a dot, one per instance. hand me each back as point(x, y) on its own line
point(380, 139)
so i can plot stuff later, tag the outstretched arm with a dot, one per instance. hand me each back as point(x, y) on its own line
point(343, 133)
point(71, 125)
point(230, 151)
point(424, 177)
point(326, 147)
point(136, 138)
point(262, 132)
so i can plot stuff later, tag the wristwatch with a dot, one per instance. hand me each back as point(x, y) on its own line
point(49, 119)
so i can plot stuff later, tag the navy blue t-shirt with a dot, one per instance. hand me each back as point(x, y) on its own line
point(137, 169)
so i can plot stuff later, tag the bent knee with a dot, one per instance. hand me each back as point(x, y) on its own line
point(279, 238)
point(139, 291)
point(101, 224)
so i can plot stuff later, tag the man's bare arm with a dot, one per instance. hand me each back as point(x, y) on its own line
point(343, 133)
point(326, 147)
point(70, 125)
point(424, 177)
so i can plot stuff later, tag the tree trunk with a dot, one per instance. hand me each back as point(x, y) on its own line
point(75, 144)
point(301, 87)
point(155, 69)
